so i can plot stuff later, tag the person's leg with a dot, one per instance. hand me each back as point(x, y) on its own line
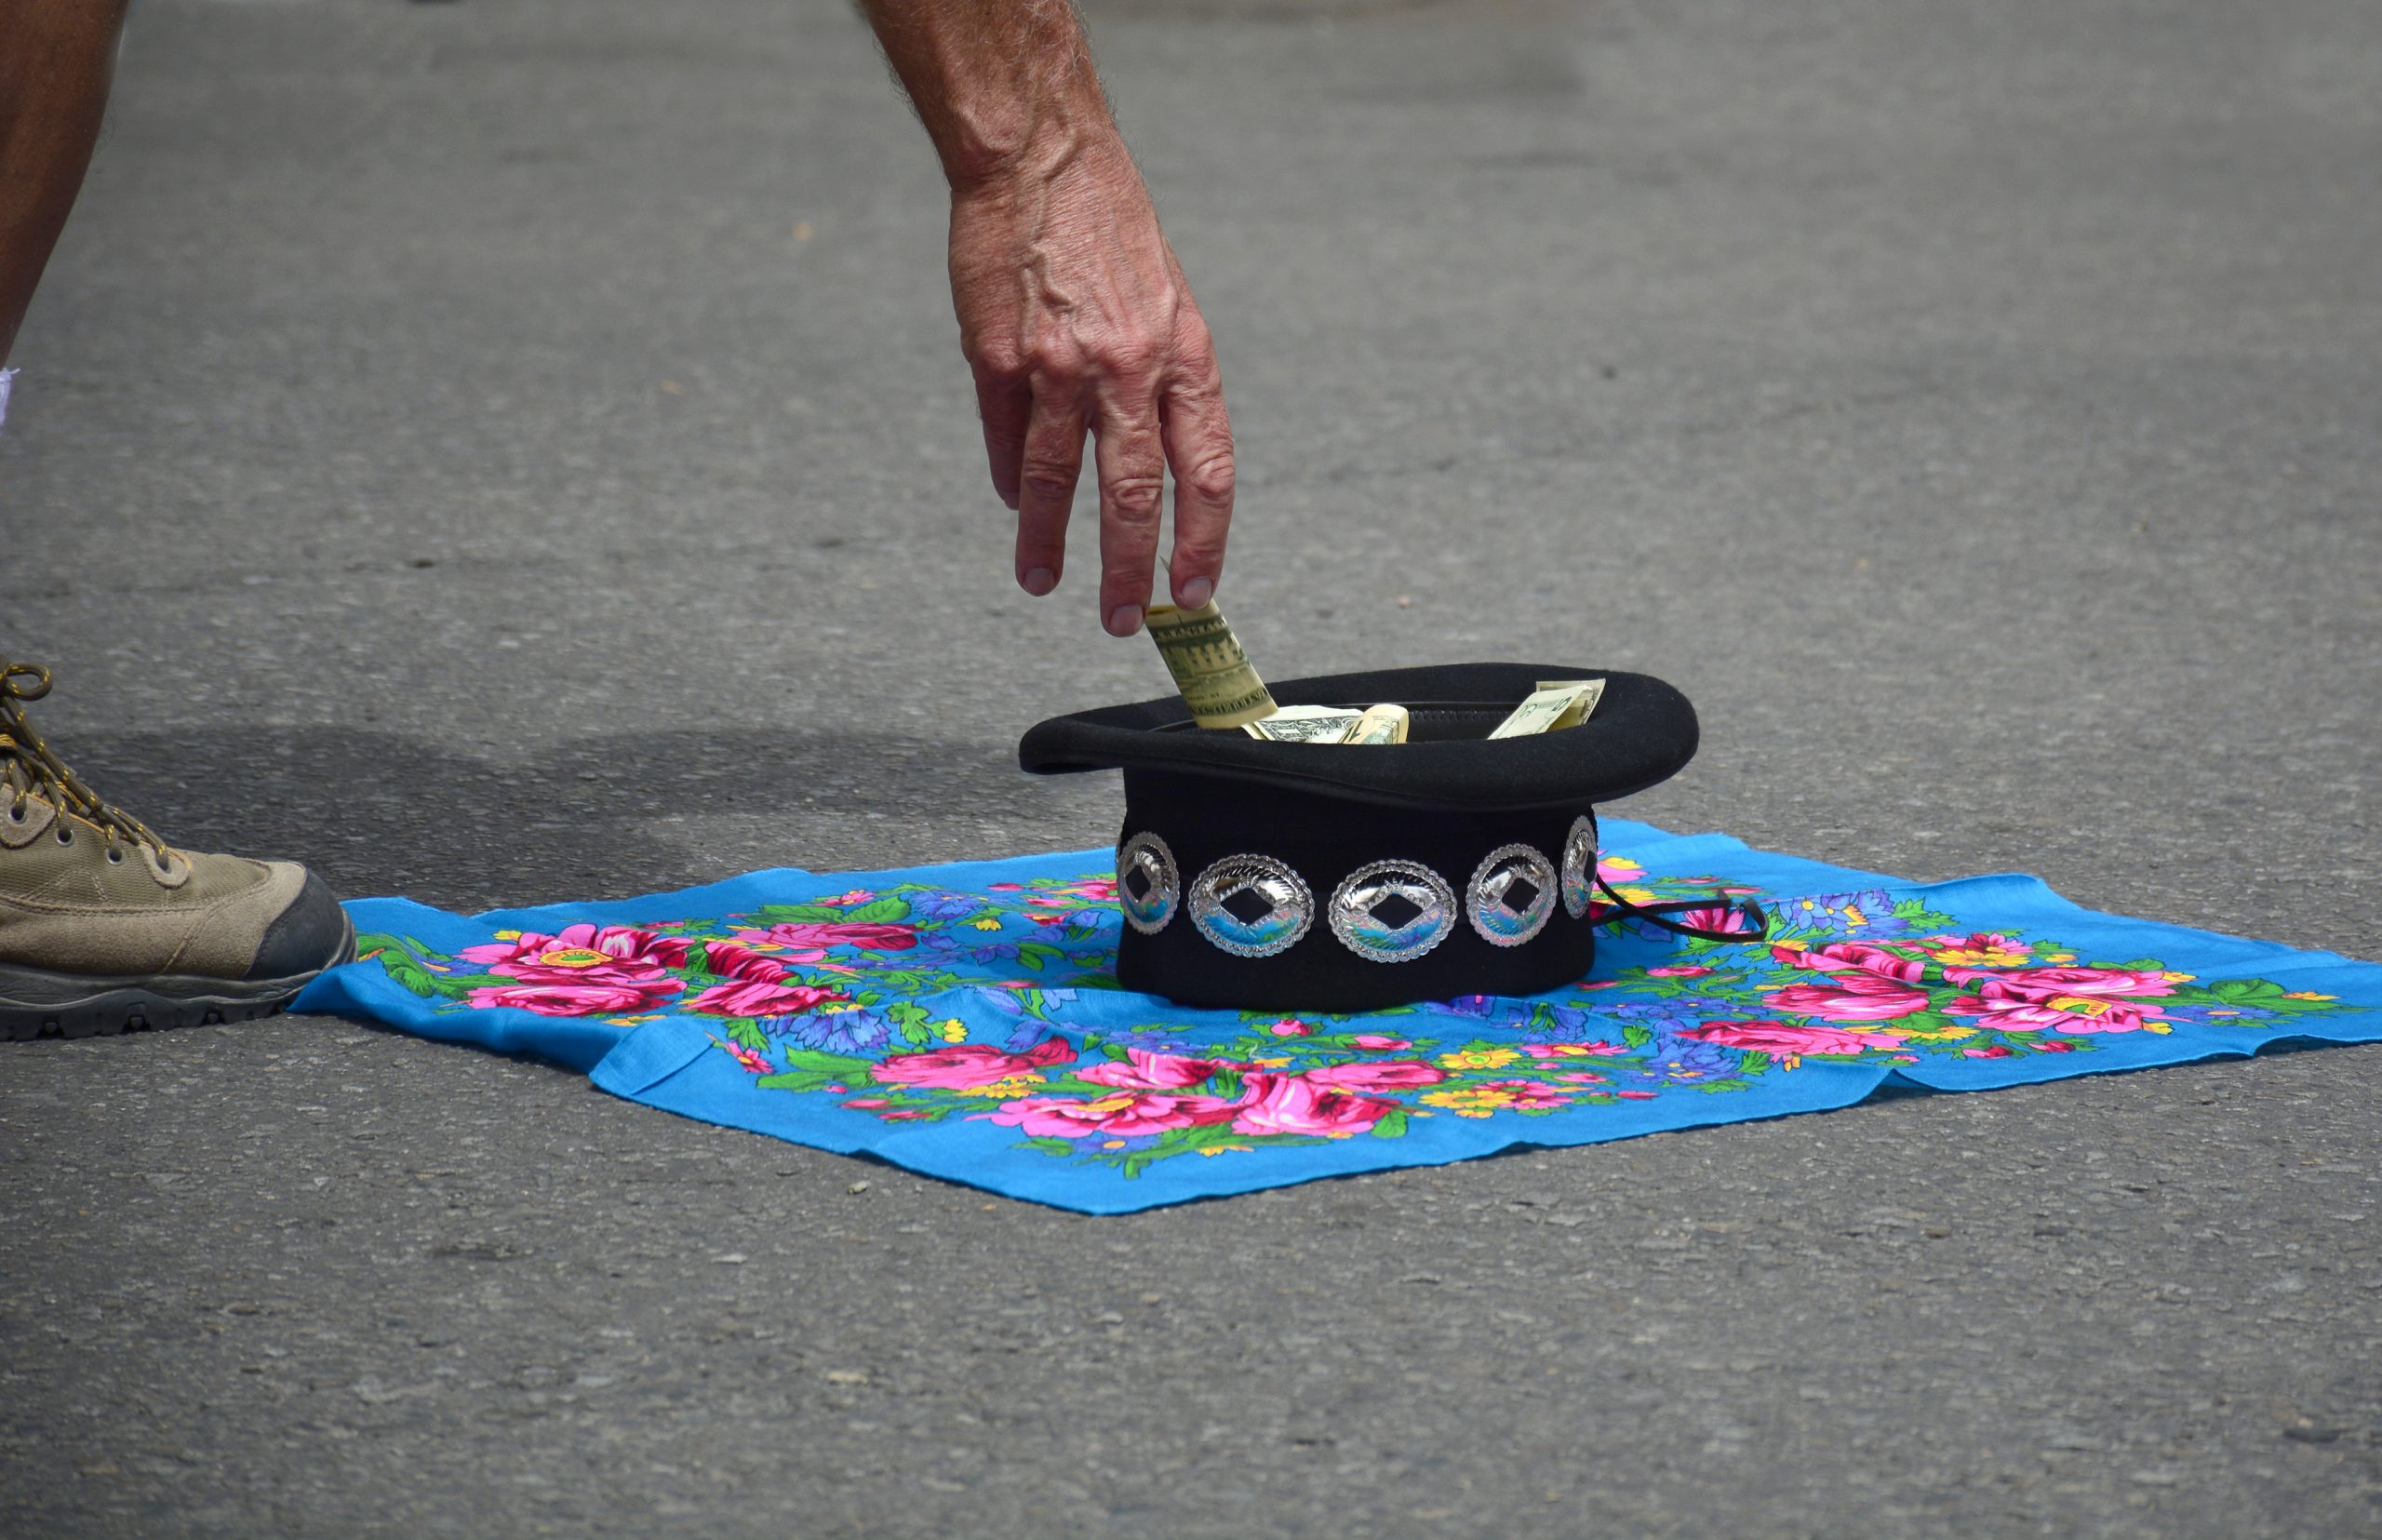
point(56, 56)
point(102, 926)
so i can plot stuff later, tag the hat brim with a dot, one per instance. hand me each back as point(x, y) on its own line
point(1641, 733)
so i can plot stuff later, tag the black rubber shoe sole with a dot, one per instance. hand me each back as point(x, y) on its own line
point(36, 1003)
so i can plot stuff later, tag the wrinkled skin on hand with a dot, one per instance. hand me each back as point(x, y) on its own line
point(1075, 317)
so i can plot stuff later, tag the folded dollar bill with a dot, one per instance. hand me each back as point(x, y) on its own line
point(1555, 704)
point(1383, 724)
point(1303, 724)
point(1211, 670)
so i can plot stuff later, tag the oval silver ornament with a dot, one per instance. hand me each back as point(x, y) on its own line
point(1252, 905)
point(1392, 911)
point(1149, 889)
point(1580, 866)
point(1511, 894)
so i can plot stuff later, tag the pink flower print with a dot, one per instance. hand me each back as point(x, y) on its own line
point(2087, 981)
point(1997, 1050)
point(1998, 1007)
point(1142, 1070)
point(1122, 1115)
point(1849, 997)
point(1377, 1075)
point(1528, 1096)
point(858, 896)
point(1573, 1050)
point(1290, 1026)
point(1380, 1044)
point(753, 1063)
point(1291, 1104)
point(1852, 956)
point(1007, 888)
point(1720, 918)
point(754, 998)
point(1586, 1077)
point(813, 936)
point(1678, 971)
point(965, 1065)
point(577, 999)
point(1783, 1038)
point(761, 985)
point(582, 953)
point(761, 943)
point(867, 1104)
point(1618, 869)
point(1635, 1096)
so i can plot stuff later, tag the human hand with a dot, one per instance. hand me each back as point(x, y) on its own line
point(1075, 317)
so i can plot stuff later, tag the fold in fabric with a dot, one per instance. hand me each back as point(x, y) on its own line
point(964, 1021)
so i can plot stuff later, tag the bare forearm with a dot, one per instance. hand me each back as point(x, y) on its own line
point(1000, 84)
point(1073, 311)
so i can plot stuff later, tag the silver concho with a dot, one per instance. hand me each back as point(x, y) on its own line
point(1392, 911)
point(1511, 894)
point(1252, 905)
point(1579, 867)
point(1148, 890)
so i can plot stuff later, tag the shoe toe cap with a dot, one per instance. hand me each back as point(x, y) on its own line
point(313, 933)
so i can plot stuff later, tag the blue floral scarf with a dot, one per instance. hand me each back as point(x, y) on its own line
point(965, 1022)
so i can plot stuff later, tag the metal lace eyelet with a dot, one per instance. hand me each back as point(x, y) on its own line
point(65, 834)
point(16, 812)
point(115, 857)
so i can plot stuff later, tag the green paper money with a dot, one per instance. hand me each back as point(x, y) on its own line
point(1211, 670)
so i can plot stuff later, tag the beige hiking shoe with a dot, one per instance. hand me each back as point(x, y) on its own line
point(103, 927)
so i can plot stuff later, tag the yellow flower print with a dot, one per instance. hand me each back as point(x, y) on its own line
point(837, 1007)
point(1016, 1085)
point(1640, 895)
point(1478, 1058)
point(1947, 1033)
point(2309, 994)
point(954, 1030)
point(1980, 957)
point(1226, 1149)
point(1477, 1101)
point(985, 922)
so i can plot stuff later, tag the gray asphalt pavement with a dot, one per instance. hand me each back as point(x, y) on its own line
point(517, 449)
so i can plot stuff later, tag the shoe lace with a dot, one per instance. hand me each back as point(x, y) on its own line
point(29, 768)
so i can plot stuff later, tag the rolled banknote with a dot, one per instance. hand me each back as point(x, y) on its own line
point(1565, 702)
point(1383, 724)
point(1304, 725)
point(1594, 691)
point(1208, 666)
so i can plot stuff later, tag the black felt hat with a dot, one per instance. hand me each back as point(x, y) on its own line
point(1264, 875)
